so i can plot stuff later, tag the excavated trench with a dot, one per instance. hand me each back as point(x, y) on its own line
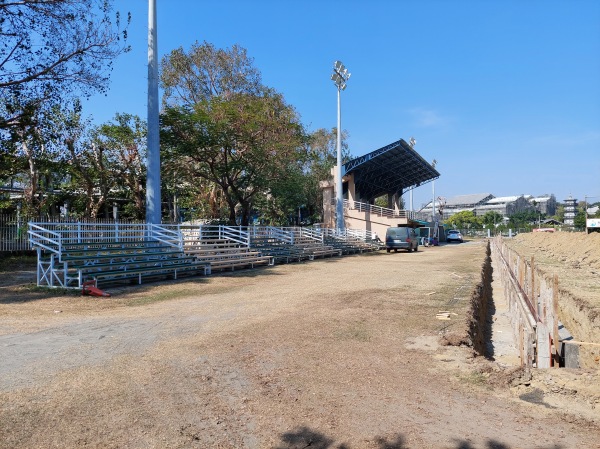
point(490, 329)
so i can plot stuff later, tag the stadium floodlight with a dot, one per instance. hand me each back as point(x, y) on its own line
point(340, 77)
point(433, 217)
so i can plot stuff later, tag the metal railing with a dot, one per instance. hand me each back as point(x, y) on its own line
point(384, 211)
point(13, 233)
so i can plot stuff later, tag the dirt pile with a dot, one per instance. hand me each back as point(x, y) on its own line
point(572, 250)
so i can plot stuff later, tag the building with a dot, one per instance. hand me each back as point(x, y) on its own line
point(570, 211)
point(459, 203)
point(505, 206)
point(545, 204)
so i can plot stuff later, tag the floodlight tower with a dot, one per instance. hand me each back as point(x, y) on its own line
point(153, 196)
point(412, 142)
point(433, 164)
point(340, 77)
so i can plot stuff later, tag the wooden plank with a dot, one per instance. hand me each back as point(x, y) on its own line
point(555, 314)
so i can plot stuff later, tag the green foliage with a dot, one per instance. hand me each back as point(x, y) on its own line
point(52, 49)
point(560, 213)
point(579, 221)
point(204, 72)
point(245, 144)
point(525, 218)
point(492, 219)
point(464, 219)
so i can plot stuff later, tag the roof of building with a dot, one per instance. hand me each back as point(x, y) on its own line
point(489, 206)
point(541, 199)
point(467, 200)
point(504, 199)
point(390, 169)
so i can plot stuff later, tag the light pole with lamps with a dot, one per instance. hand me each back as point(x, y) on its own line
point(340, 77)
point(433, 164)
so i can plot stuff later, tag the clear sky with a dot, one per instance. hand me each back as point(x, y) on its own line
point(505, 95)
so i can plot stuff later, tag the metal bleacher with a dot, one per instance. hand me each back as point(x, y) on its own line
point(351, 241)
point(222, 247)
point(71, 254)
point(293, 244)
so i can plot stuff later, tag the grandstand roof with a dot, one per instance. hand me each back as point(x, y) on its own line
point(394, 168)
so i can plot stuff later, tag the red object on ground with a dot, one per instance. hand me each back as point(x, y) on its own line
point(89, 288)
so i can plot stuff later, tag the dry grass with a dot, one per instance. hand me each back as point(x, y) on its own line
point(329, 354)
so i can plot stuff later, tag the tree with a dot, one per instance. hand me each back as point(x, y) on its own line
point(244, 143)
point(525, 218)
point(560, 213)
point(492, 218)
point(105, 163)
point(322, 157)
point(579, 221)
point(50, 49)
point(189, 78)
point(33, 157)
point(464, 219)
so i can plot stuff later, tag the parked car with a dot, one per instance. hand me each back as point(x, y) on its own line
point(401, 238)
point(454, 236)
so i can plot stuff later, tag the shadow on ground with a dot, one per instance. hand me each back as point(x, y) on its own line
point(304, 438)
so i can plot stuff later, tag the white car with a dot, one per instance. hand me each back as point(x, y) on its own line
point(454, 236)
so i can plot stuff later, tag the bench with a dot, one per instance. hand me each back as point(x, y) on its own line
point(143, 270)
point(242, 261)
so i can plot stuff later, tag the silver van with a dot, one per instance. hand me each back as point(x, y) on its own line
point(401, 238)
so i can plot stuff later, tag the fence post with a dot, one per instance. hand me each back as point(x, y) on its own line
point(534, 305)
point(555, 317)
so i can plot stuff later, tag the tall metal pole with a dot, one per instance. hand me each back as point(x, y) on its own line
point(153, 196)
point(339, 198)
point(433, 203)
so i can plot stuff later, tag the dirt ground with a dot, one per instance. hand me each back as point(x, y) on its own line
point(574, 256)
point(335, 353)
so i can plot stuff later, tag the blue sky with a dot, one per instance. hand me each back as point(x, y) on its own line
point(505, 95)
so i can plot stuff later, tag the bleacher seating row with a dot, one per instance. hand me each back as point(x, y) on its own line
point(69, 255)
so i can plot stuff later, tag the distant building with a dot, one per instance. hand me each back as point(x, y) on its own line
point(459, 203)
point(505, 206)
point(481, 203)
point(570, 211)
point(546, 204)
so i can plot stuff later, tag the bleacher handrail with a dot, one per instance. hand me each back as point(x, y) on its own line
point(168, 234)
point(312, 233)
point(237, 234)
point(38, 236)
